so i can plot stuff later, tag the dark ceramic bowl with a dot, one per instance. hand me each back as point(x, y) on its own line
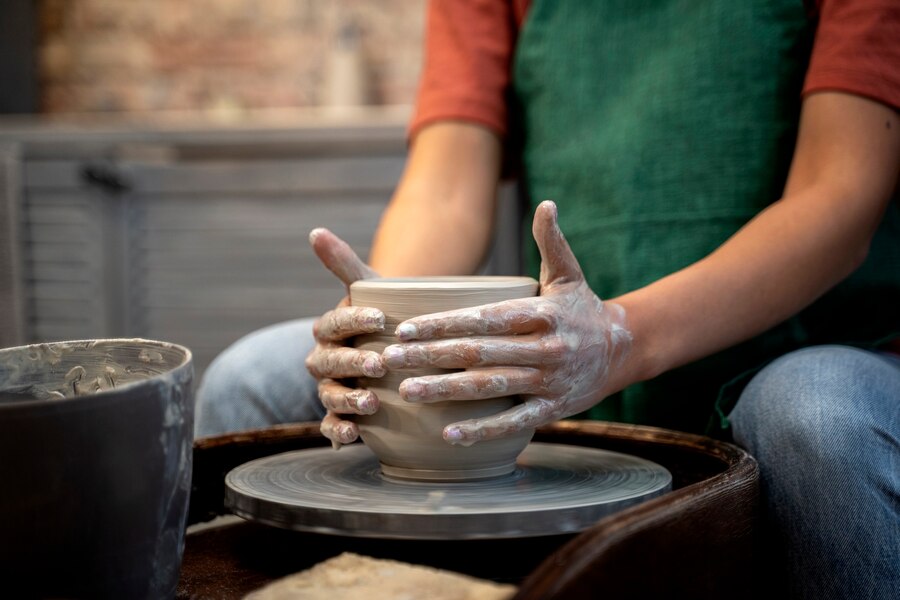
point(95, 467)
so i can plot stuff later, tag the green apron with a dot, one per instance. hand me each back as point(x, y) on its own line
point(660, 127)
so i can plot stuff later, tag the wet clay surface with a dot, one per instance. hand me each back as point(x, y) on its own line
point(554, 489)
point(406, 436)
point(61, 370)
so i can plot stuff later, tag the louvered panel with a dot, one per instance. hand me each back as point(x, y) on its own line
point(53, 175)
point(69, 254)
point(206, 268)
point(202, 249)
point(206, 332)
point(60, 233)
point(60, 330)
point(59, 270)
point(196, 237)
point(46, 289)
point(254, 176)
point(64, 283)
point(260, 177)
point(291, 304)
point(12, 330)
point(61, 214)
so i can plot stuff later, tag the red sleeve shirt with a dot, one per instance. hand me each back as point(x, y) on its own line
point(468, 54)
point(469, 48)
point(857, 49)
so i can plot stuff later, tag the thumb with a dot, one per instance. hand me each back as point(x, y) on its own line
point(558, 264)
point(338, 257)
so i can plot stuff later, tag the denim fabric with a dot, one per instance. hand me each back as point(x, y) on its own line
point(824, 424)
point(258, 381)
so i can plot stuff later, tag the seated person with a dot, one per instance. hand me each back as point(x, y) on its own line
point(730, 264)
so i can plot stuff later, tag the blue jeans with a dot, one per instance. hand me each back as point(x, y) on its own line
point(824, 424)
point(258, 381)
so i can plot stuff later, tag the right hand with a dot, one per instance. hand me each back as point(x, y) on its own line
point(332, 360)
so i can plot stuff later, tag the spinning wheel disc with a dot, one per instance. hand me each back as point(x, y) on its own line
point(555, 489)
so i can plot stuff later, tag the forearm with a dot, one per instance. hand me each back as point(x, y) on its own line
point(777, 265)
point(782, 260)
point(440, 219)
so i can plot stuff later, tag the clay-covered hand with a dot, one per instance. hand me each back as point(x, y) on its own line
point(556, 350)
point(332, 360)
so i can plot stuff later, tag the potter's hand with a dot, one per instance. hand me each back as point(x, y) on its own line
point(556, 349)
point(331, 360)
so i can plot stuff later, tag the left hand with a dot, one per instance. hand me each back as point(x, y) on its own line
point(556, 350)
point(332, 361)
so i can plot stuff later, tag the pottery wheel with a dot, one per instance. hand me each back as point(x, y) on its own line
point(555, 489)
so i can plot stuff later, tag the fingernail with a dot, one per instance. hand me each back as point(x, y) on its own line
point(406, 331)
point(373, 318)
point(393, 356)
point(314, 234)
point(552, 205)
point(346, 434)
point(453, 434)
point(365, 403)
point(372, 367)
point(413, 390)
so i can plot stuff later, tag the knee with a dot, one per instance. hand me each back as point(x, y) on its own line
point(259, 380)
point(227, 375)
point(823, 397)
point(823, 424)
point(229, 385)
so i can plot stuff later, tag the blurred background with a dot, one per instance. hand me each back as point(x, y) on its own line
point(219, 56)
point(162, 161)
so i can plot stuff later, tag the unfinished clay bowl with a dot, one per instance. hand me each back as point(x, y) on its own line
point(407, 437)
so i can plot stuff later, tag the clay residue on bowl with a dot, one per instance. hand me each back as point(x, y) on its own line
point(61, 370)
point(407, 437)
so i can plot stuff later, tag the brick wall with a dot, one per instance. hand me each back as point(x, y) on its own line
point(219, 55)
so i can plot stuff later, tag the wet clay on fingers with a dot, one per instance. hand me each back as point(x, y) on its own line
point(406, 436)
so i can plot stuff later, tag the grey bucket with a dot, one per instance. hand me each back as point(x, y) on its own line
point(95, 467)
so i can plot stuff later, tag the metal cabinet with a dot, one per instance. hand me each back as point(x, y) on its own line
point(194, 235)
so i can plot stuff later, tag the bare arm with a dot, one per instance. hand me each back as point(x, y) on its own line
point(842, 178)
point(440, 220)
point(566, 350)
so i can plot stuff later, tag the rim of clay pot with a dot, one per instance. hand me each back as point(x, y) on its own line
point(174, 370)
point(444, 282)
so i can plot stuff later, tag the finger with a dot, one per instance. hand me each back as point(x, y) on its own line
point(534, 412)
point(340, 399)
point(477, 384)
point(337, 362)
point(337, 430)
point(473, 352)
point(510, 317)
point(345, 322)
point(558, 263)
point(338, 257)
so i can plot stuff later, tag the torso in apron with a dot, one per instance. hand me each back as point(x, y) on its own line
point(660, 127)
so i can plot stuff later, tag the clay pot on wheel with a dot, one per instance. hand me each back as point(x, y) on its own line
point(407, 437)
